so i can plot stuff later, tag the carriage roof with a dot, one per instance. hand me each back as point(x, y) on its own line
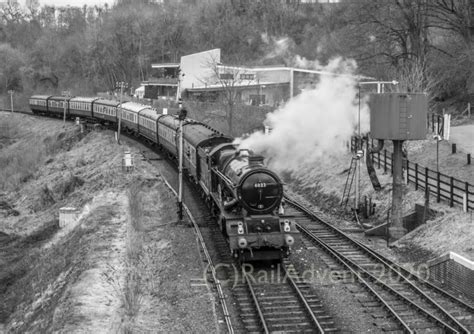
point(105, 102)
point(83, 99)
point(150, 113)
point(133, 106)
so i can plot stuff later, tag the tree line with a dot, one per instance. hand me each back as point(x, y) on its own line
point(426, 45)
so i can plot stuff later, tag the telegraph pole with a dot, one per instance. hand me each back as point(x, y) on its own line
point(11, 98)
point(121, 85)
point(66, 95)
point(181, 117)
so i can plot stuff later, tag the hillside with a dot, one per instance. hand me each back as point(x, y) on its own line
point(121, 266)
point(450, 230)
point(117, 268)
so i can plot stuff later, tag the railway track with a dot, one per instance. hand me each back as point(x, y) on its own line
point(268, 298)
point(412, 303)
point(286, 303)
point(277, 299)
point(195, 210)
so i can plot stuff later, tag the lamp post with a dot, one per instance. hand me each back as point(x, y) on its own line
point(11, 98)
point(122, 85)
point(181, 117)
point(66, 94)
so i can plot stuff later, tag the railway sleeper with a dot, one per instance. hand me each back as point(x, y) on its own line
point(422, 324)
point(390, 328)
point(325, 234)
point(332, 240)
point(289, 326)
point(283, 312)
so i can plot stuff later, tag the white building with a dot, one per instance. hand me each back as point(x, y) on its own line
point(202, 76)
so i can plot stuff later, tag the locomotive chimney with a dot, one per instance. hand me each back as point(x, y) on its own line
point(255, 160)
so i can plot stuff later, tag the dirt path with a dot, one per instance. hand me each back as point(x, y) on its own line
point(93, 303)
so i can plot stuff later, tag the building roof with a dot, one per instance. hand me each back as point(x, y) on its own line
point(165, 65)
point(236, 85)
point(285, 68)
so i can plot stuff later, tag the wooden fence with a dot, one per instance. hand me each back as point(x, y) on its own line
point(443, 186)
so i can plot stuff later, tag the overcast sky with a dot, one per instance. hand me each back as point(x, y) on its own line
point(78, 3)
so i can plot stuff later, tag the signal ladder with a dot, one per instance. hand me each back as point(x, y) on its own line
point(349, 181)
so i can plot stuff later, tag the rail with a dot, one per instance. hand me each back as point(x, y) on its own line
point(359, 270)
point(217, 283)
point(399, 271)
point(257, 305)
point(304, 301)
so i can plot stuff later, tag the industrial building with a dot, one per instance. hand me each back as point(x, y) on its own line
point(202, 76)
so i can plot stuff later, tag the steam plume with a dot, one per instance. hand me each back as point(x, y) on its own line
point(315, 124)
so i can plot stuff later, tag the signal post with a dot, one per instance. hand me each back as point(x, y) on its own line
point(181, 117)
point(11, 98)
point(66, 94)
point(122, 85)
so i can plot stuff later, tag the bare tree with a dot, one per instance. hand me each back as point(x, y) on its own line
point(230, 80)
point(455, 16)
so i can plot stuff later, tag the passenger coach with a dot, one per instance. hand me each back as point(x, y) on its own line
point(105, 110)
point(81, 106)
point(56, 105)
point(148, 124)
point(39, 103)
point(130, 111)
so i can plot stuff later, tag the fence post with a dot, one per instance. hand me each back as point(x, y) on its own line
point(416, 175)
point(451, 192)
point(427, 203)
point(432, 123)
point(385, 161)
point(366, 206)
point(469, 158)
point(453, 148)
point(438, 192)
point(408, 171)
point(426, 178)
point(466, 192)
point(391, 162)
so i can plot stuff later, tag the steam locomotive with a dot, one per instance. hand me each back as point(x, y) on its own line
point(245, 195)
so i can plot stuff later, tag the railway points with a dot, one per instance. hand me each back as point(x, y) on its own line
point(412, 301)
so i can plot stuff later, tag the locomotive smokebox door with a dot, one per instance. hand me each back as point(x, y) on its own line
point(398, 116)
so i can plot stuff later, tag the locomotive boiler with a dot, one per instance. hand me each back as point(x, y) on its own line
point(252, 213)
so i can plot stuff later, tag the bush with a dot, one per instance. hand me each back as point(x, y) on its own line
point(19, 165)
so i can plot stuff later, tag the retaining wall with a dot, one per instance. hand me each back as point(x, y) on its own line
point(453, 271)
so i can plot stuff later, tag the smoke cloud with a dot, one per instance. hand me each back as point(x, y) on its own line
point(314, 125)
